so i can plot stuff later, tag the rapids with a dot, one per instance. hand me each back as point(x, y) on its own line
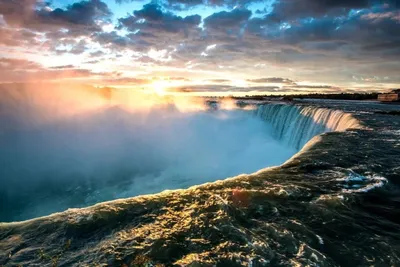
point(334, 203)
point(115, 153)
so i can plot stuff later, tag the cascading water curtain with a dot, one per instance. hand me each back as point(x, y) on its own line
point(296, 125)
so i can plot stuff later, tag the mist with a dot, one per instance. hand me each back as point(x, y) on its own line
point(72, 152)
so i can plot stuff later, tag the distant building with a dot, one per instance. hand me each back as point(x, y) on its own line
point(393, 96)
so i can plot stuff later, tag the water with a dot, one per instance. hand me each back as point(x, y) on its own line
point(114, 153)
point(296, 125)
point(335, 203)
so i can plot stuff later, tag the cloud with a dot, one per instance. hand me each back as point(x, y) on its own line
point(81, 13)
point(188, 4)
point(97, 53)
point(18, 64)
point(18, 70)
point(306, 88)
point(77, 17)
point(218, 80)
point(152, 17)
point(17, 12)
point(111, 39)
point(218, 88)
point(272, 80)
point(71, 46)
point(364, 36)
point(17, 37)
point(378, 17)
point(315, 86)
point(294, 9)
point(124, 81)
point(154, 27)
point(225, 20)
point(63, 67)
point(302, 39)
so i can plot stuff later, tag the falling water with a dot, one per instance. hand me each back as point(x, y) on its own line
point(328, 207)
point(296, 125)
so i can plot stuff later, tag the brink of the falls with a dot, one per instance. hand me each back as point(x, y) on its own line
point(115, 153)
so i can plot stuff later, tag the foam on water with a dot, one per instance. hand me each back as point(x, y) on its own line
point(315, 210)
point(356, 183)
point(115, 153)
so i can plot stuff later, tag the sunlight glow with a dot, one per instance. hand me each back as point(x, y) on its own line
point(160, 87)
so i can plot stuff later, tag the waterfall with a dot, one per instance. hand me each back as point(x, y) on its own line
point(296, 125)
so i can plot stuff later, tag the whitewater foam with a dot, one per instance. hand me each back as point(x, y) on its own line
point(314, 223)
point(357, 183)
point(115, 154)
point(296, 125)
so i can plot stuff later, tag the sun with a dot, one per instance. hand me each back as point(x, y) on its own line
point(160, 87)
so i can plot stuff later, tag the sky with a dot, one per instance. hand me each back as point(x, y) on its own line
point(204, 47)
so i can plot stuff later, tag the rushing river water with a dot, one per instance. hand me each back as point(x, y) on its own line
point(335, 203)
point(114, 153)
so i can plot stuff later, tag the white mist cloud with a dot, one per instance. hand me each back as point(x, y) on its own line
point(114, 151)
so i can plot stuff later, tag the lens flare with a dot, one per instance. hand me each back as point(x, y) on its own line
point(160, 87)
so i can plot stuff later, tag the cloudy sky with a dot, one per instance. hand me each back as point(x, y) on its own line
point(204, 46)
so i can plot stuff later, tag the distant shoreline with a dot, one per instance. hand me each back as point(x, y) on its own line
point(367, 97)
point(342, 96)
